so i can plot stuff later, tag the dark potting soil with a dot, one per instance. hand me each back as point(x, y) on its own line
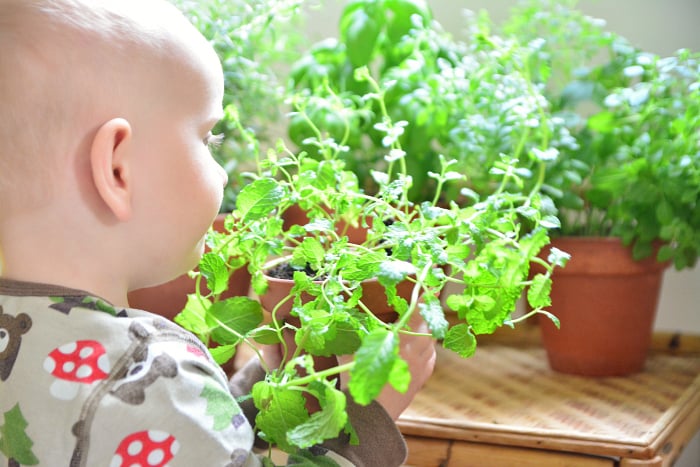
point(286, 271)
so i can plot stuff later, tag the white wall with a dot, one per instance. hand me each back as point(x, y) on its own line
point(657, 26)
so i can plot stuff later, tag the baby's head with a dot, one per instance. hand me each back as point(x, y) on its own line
point(108, 105)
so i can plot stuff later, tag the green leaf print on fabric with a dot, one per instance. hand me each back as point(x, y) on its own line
point(66, 304)
point(14, 442)
point(221, 406)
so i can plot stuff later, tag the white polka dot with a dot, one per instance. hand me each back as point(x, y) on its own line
point(155, 457)
point(68, 348)
point(49, 364)
point(84, 371)
point(134, 448)
point(158, 436)
point(85, 352)
point(117, 461)
point(68, 367)
point(174, 447)
point(103, 363)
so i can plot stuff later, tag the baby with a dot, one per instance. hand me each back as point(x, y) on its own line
point(107, 185)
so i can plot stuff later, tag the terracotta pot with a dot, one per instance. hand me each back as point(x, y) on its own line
point(169, 299)
point(374, 297)
point(606, 303)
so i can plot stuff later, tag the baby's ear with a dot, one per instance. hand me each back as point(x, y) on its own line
point(110, 163)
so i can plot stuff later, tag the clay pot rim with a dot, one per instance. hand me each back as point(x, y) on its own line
point(620, 260)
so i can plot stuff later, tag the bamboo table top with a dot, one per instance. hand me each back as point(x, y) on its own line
point(507, 395)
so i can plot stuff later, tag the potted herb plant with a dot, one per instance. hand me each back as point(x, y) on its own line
point(486, 245)
point(470, 100)
point(627, 192)
point(252, 39)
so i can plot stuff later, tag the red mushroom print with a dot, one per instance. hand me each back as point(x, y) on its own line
point(76, 363)
point(145, 449)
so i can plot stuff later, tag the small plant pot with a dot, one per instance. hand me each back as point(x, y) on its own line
point(374, 297)
point(170, 298)
point(606, 303)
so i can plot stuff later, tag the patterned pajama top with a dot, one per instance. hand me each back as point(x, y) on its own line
point(83, 383)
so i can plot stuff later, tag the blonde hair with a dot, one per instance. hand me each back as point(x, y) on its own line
point(66, 66)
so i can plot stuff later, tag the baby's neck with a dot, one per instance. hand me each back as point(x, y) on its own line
point(61, 255)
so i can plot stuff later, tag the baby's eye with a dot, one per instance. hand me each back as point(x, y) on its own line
point(213, 140)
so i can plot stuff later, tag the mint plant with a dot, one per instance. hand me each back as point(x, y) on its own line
point(486, 245)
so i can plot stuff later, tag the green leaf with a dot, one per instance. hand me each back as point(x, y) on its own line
point(214, 270)
point(603, 122)
point(338, 337)
point(365, 266)
point(554, 319)
point(486, 313)
point(374, 362)
point(400, 376)
point(393, 272)
point(558, 257)
point(433, 314)
point(266, 336)
point(664, 212)
point(641, 250)
point(280, 410)
point(360, 32)
point(324, 424)
point(458, 303)
point(192, 317)
point(483, 303)
point(310, 252)
point(538, 294)
point(400, 14)
point(665, 253)
point(259, 199)
point(460, 339)
point(232, 318)
point(223, 353)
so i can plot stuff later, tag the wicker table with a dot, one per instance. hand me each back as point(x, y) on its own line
point(505, 407)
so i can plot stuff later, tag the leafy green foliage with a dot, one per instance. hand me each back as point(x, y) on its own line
point(375, 362)
point(411, 251)
point(469, 101)
point(281, 410)
point(482, 218)
point(633, 168)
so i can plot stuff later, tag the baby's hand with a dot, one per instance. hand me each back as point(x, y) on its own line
point(419, 353)
point(271, 355)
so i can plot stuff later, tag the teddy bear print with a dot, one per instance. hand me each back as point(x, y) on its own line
point(143, 371)
point(12, 328)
